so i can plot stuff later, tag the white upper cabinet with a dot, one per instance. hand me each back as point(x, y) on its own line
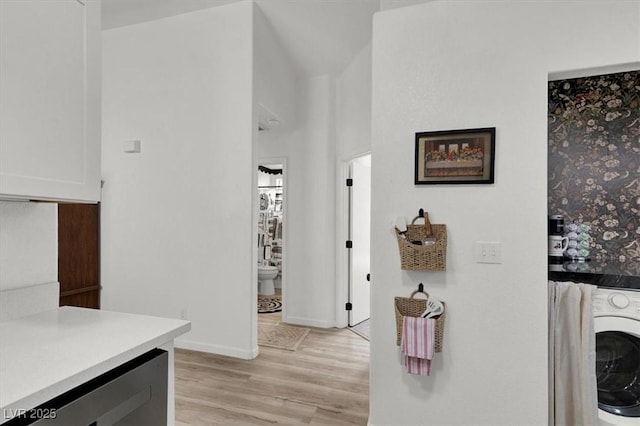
point(50, 100)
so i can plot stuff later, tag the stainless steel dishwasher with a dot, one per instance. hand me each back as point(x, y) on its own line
point(134, 393)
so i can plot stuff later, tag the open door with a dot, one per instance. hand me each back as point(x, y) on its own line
point(360, 229)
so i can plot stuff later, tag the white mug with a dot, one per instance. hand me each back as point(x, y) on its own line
point(557, 245)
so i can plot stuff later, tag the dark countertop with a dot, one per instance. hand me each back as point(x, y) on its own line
point(593, 272)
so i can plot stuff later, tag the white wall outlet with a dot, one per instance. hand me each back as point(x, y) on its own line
point(183, 313)
point(488, 252)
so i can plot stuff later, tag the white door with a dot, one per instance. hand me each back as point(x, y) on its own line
point(360, 226)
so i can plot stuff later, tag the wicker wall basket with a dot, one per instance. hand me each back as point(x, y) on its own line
point(410, 307)
point(416, 257)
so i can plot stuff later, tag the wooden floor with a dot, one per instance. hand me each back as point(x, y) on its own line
point(324, 382)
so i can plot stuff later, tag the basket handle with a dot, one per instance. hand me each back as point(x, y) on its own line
point(414, 219)
point(427, 223)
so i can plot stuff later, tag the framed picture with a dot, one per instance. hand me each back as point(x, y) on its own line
point(455, 156)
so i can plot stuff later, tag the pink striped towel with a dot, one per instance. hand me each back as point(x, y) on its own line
point(418, 341)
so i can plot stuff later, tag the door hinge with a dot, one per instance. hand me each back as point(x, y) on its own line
point(348, 306)
point(349, 182)
point(349, 244)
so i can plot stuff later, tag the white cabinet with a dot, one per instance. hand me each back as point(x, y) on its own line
point(50, 100)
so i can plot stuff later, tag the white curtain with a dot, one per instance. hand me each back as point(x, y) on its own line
point(573, 397)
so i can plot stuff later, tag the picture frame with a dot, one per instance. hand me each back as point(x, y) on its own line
point(455, 156)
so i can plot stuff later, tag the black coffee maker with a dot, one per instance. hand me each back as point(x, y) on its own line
point(556, 229)
point(556, 224)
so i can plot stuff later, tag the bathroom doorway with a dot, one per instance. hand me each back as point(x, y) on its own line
point(271, 236)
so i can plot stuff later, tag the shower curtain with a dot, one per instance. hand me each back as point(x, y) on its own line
point(573, 397)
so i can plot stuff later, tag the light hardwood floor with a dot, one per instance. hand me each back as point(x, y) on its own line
point(324, 382)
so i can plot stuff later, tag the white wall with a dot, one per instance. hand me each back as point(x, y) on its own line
point(28, 244)
point(392, 4)
point(310, 293)
point(455, 65)
point(353, 111)
point(275, 79)
point(177, 219)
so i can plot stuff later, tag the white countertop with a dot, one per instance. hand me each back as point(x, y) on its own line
point(46, 354)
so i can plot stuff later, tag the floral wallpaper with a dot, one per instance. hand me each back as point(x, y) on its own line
point(594, 162)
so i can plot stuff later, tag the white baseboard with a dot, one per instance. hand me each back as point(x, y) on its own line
point(216, 349)
point(308, 322)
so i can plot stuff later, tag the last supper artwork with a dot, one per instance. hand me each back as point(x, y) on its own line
point(461, 156)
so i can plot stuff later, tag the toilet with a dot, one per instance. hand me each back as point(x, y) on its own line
point(266, 274)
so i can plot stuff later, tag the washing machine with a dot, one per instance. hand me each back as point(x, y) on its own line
point(617, 326)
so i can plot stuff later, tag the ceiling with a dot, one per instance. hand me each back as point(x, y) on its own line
point(320, 36)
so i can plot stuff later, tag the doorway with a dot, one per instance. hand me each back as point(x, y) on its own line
point(359, 231)
point(271, 235)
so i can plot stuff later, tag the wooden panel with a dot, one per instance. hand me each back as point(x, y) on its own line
point(89, 299)
point(79, 254)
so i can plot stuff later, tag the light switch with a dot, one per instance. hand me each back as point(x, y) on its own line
point(488, 252)
point(131, 147)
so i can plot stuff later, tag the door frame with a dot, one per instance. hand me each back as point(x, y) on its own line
point(342, 234)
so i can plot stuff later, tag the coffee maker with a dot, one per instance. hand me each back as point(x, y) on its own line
point(557, 241)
